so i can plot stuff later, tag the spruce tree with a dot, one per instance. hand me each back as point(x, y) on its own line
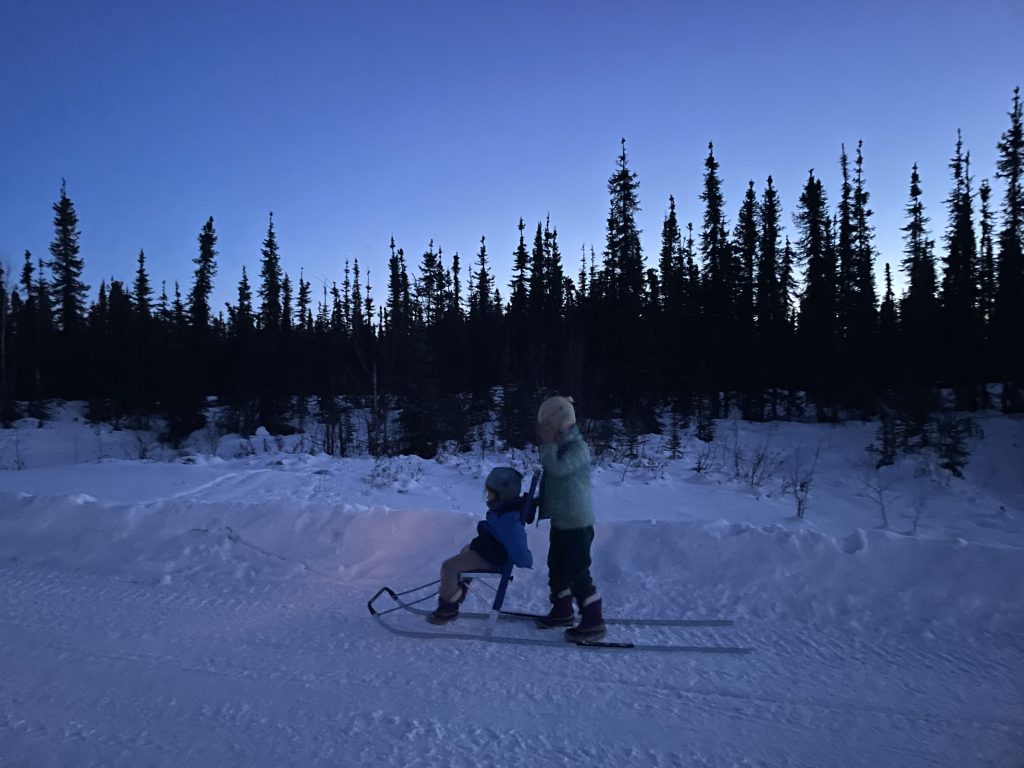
point(428, 287)
point(556, 290)
point(202, 286)
point(241, 314)
point(125, 371)
point(745, 236)
point(270, 285)
point(518, 323)
point(455, 307)
point(142, 293)
point(287, 321)
point(770, 300)
point(535, 284)
point(857, 306)
point(818, 311)
point(483, 327)
point(398, 312)
point(719, 276)
point(68, 290)
point(520, 266)
point(619, 363)
point(178, 312)
point(845, 257)
point(918, 307)
point(986, 257)
point(865, 303)
point(43, 334)
point(554, 275)
point(26, 321)
point(670, 261)
point(6, 401)
point(1009, 309)
point(671, 325)
point(623, 258)
point(304, 299)
point(888, 332)
point(357, 319)
point(719, 281)
point(480, 298)
point(960, 324)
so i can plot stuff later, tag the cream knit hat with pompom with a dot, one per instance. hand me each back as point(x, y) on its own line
point(557, 412)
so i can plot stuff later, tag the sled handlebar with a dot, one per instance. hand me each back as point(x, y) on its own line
point(383, 590)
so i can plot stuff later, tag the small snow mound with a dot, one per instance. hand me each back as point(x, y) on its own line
point(405, 484)
point(723, 528)
point(854, 543)
point(82, 498)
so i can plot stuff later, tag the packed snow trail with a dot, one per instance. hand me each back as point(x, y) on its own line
point(211, 611)
point(98, 671)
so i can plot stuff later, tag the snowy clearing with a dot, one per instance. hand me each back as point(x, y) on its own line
point(211, 610)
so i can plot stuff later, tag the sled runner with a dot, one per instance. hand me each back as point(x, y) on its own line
point(482, 624)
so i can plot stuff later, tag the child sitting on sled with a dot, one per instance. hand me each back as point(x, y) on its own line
point(500, 536)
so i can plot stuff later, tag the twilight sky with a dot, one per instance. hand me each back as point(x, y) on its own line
point(354, 122)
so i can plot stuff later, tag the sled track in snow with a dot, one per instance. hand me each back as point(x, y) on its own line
point(215, 671)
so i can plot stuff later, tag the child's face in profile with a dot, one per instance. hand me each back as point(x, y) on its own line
point(491, 495)
point(545, 432)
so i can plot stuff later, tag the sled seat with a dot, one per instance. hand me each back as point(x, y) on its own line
point(505, 572)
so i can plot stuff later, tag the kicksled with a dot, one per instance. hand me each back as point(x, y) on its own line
point(498, 625)
point(501, 626)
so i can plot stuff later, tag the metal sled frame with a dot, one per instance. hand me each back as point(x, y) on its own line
point(487, 633)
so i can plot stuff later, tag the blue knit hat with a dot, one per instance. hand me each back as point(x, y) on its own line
point(505, 482)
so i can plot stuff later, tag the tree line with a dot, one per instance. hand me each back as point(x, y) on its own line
point(776, 322)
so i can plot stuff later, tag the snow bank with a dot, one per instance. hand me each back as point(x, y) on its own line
point(655, 568)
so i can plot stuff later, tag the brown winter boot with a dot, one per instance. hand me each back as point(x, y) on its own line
point(448, 611)
point(561, 613)
point(591, 626)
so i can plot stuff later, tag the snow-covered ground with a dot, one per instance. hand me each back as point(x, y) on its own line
point(210, 609)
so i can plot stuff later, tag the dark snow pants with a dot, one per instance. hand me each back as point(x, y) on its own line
point(569, 562)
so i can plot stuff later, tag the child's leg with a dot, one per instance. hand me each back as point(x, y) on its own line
point(466, 560)
point(569, 562)
point(573, 562)
point(558, 568)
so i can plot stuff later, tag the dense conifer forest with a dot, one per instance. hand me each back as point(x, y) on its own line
point(768, 310)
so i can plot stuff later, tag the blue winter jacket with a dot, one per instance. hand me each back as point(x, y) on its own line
point(502, 535)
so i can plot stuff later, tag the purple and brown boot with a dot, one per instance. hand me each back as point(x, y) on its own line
point(561, 613)
point(591, 626)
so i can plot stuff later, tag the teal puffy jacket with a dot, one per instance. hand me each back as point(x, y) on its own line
point(565, 488)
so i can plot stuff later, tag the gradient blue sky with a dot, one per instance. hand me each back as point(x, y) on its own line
point(354, 122)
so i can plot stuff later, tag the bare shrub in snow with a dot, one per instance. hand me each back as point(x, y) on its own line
point(145, 444)
point(801, 479)
point(707, 459)
point(952, 431)
point(756, 464)
point(14, 445)
point(880, 487)
point(705, 422)
point(920, 504)
point(388, 471)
